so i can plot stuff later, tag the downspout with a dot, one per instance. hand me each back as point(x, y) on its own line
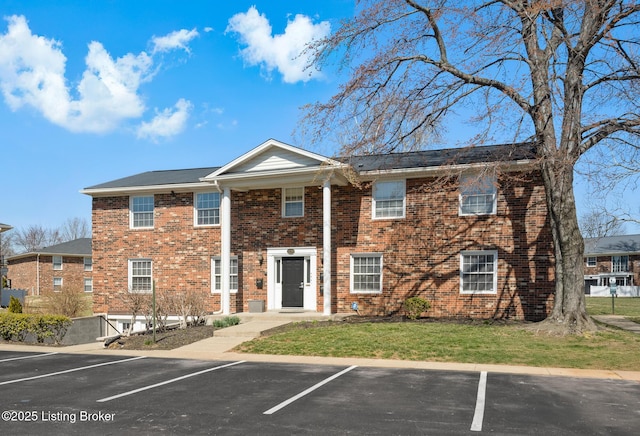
point(38, 274)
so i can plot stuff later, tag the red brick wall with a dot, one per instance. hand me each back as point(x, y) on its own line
point(420, 252)
point(23, 273)
point(604, 265)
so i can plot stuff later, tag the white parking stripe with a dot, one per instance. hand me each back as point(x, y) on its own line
point(478, 416)
point(135, 391)
point(69, 370)
point(28, 357)
point(311, 389)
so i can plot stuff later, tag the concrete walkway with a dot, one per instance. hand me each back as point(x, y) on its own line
point(618, 321)
point(252, 325)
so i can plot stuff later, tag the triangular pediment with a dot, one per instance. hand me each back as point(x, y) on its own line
point(269, 157)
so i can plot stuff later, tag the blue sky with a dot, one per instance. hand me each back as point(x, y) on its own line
point(92, 91)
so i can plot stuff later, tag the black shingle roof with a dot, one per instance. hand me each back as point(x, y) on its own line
point(612, 244)
point(77, 247)
point(450, 156)
point(153, 178)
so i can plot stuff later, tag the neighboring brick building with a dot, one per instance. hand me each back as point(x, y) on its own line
point(67, 265)
point(612, 257)
point(298, 230)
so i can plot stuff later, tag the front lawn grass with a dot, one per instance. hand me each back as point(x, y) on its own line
point(484, 343)
point(625, 306)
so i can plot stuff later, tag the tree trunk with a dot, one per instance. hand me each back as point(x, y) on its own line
point(569, 313)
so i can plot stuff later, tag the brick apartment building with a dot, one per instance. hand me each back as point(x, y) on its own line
point(67, 265)
point(612, 257)
point(296, 230)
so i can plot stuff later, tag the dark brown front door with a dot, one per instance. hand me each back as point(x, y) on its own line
point(292, 281)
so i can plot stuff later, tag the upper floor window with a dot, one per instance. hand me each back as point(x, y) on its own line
point(389, 199)
point(366, 273)
point(619, 264)
point(216, 274)
point(479, 272)
point(592, 261)
point(142, 212)
point(293, 202)
point(57, 263)
point(140, 277)
point(207, 209)
point(477, 194)
point(88, 264)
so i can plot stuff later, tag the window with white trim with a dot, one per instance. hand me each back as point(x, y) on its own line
point(216, 274)
point(477, 194)
point(592, 261)
point(389, 199)
point(88, 285)
point(478, 272)
point(57, 284)
point(141, 212)
point(57, 263)
point(207, 209)
point(366, 273)
point(88, 263)
point(140, 275)
point(292, 202)
point(619, 264)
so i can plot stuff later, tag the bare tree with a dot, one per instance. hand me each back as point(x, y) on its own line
point(35, 237)
point(75, 228)
point(536, 70)
point(598, 224)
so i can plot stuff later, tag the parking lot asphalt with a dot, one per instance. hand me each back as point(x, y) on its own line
point(220, 346)
point(60, 393)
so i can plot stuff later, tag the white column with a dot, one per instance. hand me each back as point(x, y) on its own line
point(326, 246)
point(225, 255)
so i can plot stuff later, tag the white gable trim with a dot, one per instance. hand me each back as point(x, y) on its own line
point(263, 148)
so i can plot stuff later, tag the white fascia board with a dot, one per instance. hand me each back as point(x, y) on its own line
point(280, 178)
point(181, 187)
point(435, 171)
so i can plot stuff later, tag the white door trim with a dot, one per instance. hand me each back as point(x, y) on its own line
point(274, 288)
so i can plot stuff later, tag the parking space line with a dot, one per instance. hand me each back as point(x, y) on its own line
point(135, 391)
point(28, 357)
point(311, 389)
point(478, 416)
point(69, 370)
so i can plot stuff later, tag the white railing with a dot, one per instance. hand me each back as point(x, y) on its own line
point(621, 291)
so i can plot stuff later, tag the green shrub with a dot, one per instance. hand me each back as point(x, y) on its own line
point(226, 322)
point(415, 306)
point(14, 305)
point(16, 326)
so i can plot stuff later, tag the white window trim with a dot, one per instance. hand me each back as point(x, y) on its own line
point(404, 200)
point(84, 263)
point(130, 275)
point(131, 212)
point(494, 194)
point(90, 281)
point(495, 271)
point(53, 262)
point(595, 261)
point(613, 263)
point(195, 210)
point(213, 275)
point(284, 202)
point(351, 274)
point(59, 286)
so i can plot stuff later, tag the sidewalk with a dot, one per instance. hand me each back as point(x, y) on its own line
point(252, 325)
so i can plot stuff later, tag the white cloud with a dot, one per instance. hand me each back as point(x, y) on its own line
point(174, 40)
point(282, 52)
point(32, 74)
point(167, 123)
